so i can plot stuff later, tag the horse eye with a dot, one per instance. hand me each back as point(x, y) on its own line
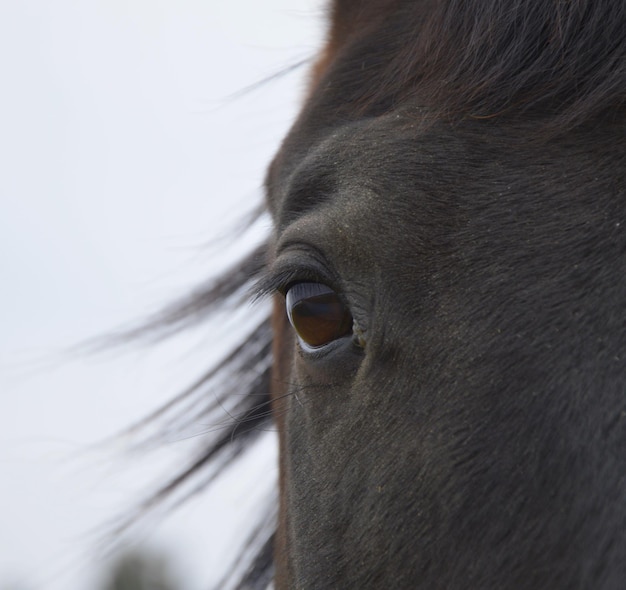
point(317, 314)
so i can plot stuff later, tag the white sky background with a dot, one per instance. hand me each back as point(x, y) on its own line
point(119, 161)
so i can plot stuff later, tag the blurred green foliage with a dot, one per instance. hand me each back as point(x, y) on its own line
point(137, 570)
point(133, 570)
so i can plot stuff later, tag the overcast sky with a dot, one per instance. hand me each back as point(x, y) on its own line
point(120, 158)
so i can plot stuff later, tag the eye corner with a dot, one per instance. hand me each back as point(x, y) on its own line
point(359, 336)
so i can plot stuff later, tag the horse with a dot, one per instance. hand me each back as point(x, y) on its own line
point(445, 358)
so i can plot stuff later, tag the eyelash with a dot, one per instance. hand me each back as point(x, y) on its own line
point(280, 280)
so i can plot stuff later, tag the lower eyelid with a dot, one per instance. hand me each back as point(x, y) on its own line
point(319, 352)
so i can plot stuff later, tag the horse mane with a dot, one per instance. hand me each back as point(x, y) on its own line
point(564, 60)
point(232, 398)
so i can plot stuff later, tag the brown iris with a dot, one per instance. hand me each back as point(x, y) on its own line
point(317, 314)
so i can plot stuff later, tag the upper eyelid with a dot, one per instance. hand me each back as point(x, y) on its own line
point(296, 262)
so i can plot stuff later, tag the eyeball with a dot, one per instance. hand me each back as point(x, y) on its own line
point(317, 314)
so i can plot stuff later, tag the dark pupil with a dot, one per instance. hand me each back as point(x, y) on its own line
point(317, 314)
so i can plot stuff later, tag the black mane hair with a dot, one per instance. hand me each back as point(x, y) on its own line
point(563, 61)
point(232, 398)
point(483, 58)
